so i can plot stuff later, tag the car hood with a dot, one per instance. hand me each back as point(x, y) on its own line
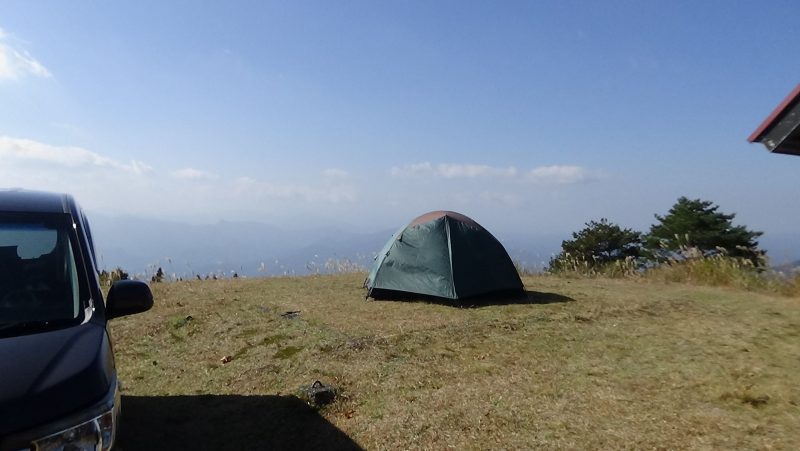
point(44, 376)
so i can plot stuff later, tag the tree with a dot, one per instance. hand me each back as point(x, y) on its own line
point(599, 243)
point(699, 224)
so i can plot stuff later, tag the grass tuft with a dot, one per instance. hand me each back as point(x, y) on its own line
point(287, 352)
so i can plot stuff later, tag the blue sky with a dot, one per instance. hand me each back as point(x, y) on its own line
point(528, 116)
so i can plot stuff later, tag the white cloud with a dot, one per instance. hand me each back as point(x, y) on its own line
point(98, 181)
point(102, 183)
point(559, 175)
point(16, 63)
point(193, 174)
point(453, 170)
point(20, 149)
point(412, 169)
point(325, 192)
point(474, 170)
point(335, 173)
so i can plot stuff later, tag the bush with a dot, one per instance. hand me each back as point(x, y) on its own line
point(598, 246)
point(698, 224)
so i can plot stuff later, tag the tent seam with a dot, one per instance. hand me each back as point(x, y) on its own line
point(450, 255)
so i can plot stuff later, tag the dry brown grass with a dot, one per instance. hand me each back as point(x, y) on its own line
point(596, 363)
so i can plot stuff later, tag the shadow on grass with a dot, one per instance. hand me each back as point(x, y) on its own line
point(519, 298)
point(221, 422)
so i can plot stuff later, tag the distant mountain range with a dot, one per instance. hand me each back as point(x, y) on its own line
point(788, 268)
point(141, 245)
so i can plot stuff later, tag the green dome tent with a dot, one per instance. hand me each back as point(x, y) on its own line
point(442, 254)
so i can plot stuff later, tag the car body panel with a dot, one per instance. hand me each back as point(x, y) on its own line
point(53, 374)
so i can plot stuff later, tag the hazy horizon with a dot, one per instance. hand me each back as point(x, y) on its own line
point(141, 245)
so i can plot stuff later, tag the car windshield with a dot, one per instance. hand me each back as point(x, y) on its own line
point(39, 277)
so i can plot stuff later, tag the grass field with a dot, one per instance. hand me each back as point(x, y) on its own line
point(580, 363)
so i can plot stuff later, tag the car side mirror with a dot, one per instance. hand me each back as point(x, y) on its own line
point(127, 297)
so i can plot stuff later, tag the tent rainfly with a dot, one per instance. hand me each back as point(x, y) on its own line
point(442, 254)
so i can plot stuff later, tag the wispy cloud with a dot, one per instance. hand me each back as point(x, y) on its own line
point(325, 192)
point(335, 173)
point(559, 175)
point(110, 185)
point(21, 149)
point(16, 62)
point(410, 170)
point(193, 174)
point(450, 171)
point(100, 181)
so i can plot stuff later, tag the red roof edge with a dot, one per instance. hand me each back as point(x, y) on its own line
point(430, 216)
point(774, 116)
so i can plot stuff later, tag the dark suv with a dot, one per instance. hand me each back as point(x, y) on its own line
point(58, 384)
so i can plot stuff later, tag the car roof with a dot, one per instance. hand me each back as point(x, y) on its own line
point(28, 201)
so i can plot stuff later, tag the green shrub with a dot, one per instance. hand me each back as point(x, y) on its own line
point(700, 225)
point(597, 245)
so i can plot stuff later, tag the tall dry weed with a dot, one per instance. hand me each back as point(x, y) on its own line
point(577, 266)
point(688, 265)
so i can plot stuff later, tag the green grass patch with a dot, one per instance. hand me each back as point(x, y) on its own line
point(274, 339)
point(287, 352)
